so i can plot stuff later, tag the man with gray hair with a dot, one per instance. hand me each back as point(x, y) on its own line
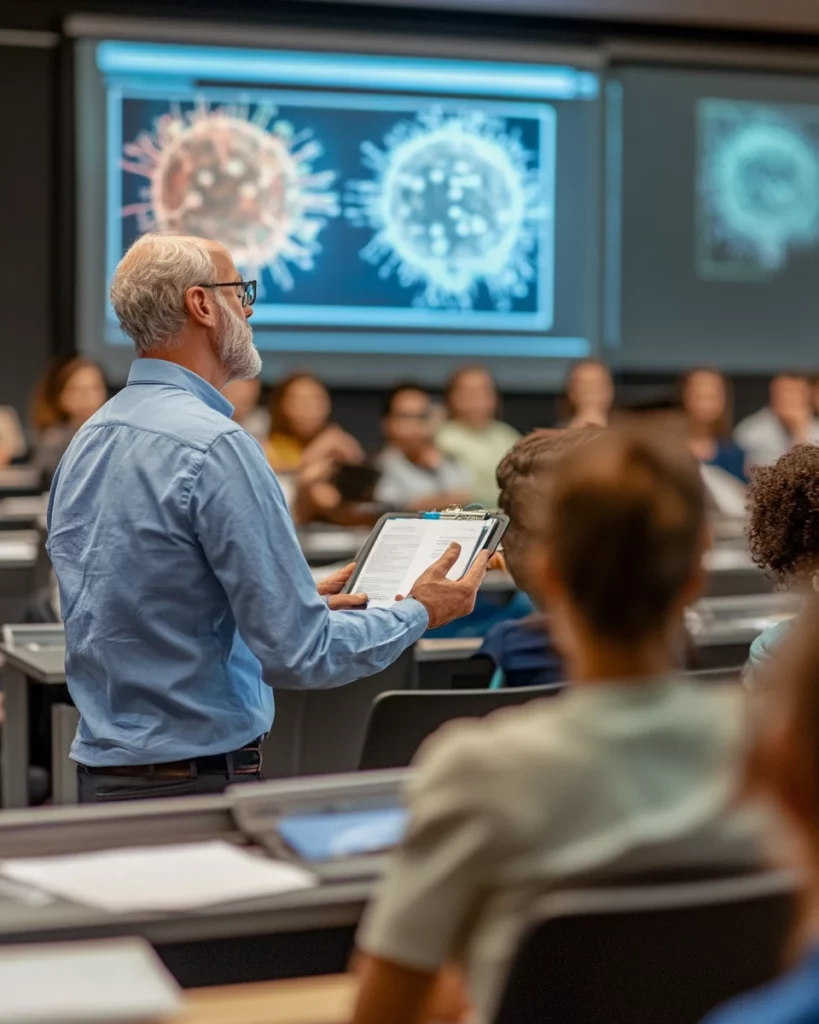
point(184, 592)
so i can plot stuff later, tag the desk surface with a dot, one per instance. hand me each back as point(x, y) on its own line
point(327, 1000)
point(330, 905)
point(45, 664)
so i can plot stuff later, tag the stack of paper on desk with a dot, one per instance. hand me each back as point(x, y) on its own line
point(179, 877)
point(84, 982)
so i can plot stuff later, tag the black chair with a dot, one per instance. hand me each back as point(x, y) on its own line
point(320, 732)
point(400, 722)
point(645, 954)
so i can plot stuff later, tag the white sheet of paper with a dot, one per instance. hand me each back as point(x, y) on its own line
point(179, 877)
point(405, 548)
point(69, 983)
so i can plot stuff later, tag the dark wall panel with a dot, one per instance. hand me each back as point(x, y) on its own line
point(26, 218)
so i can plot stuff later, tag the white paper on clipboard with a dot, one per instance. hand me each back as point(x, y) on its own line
point(405, 548)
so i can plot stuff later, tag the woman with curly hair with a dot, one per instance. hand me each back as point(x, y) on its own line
point(783, 529)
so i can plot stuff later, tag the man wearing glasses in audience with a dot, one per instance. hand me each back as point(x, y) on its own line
point(185, 596)
point(415, 474)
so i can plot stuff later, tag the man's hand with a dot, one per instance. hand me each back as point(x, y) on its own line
point(445, 599)
point(332, 586)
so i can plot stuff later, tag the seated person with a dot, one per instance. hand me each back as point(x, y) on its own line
point(785, 769)
point(588, 396)
point(472, 434)
point(705, 398)
point(12, 439)
point(69, 393)
point(244, 396)
point(415, 474)
point(522, 648)
point(788, 419)
point(783, 530)
point(633, 768)
point(301, 432)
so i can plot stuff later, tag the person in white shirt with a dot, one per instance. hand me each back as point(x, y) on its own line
point(631, 769)
point(788, 419)
point(472, 434)
point(415, 474)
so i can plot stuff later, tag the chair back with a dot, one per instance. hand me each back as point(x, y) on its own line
point(400, 722)
point(642, 954)
point(320, 732)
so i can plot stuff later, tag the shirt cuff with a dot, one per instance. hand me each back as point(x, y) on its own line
point(413, 613)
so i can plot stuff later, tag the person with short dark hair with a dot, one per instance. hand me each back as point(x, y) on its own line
point(632, 768)
point(522, 649)
point(415, 474)
point(786, 420)
point(706, 401)
point(783, 530)
point(473, 434)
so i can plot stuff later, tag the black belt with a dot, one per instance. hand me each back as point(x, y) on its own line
point(246, 761)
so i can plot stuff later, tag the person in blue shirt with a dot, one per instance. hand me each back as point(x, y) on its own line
point(185, 596)
point(522, 649)
point(785, 770)
point(706, 400)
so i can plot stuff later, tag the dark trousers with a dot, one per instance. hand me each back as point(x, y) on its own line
point(99, 789)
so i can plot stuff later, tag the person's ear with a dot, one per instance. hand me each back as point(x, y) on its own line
point(199, 304)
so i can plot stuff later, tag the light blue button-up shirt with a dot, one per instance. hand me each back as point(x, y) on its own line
point(184, 592)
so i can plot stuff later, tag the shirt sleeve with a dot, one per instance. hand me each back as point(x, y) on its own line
point(242, 522)
point(459, 834)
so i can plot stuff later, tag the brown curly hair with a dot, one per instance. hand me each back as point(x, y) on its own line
point(783, 514)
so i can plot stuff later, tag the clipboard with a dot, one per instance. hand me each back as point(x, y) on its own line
point(403, 545)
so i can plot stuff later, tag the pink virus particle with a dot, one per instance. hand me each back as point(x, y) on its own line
point(245, 182)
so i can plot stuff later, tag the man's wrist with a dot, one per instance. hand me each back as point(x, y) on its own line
point(412, 603)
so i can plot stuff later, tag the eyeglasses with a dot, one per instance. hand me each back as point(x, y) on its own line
point(246, 290)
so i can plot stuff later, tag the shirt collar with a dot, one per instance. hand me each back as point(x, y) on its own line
point(161, 371)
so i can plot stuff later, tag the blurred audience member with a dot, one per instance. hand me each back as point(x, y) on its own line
point(588, 396)
point(69, 393)
point(415, 473)
point(785, 769)
point(301, 433)
point(632, 767)
point(12, 438)
point(472, 434)
point(522, 649)
point(244, 396)
point(783, 530)
point(787, 419)
point(705, 397)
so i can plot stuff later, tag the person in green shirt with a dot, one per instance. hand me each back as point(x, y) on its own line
point(472, 434)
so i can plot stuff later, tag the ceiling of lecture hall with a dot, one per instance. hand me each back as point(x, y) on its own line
point(785, 15)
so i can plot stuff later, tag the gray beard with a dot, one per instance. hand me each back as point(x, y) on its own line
point(239, 355)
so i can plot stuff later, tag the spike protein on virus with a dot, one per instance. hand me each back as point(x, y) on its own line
point(247, 182)
point(456, 202)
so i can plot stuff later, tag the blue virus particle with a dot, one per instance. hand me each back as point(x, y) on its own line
point(247, 182)
point(759, 186)
point(455, 201)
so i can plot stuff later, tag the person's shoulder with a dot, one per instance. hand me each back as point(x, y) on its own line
point(791, 999)
point(505, 432)
point(485, 766)
point(175, 414)
point(764, 646)
point(760, 422)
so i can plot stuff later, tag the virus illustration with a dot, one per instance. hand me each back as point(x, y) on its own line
point(759, 184)
point(454, 201)
point(220, 174)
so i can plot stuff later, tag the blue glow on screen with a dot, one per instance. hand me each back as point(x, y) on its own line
point(365, 194)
